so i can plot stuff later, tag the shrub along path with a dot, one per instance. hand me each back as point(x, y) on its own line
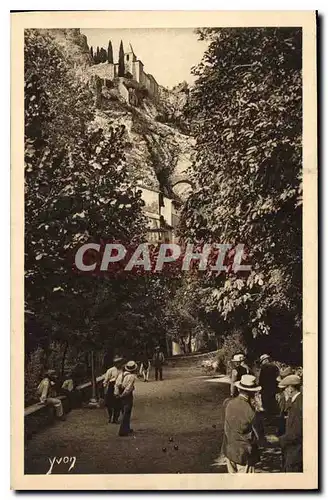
point(185, 408)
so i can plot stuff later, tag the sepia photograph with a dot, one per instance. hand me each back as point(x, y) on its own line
point(167, 191)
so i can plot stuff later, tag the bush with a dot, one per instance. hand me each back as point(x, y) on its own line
point(34, 369)
point(232, 344)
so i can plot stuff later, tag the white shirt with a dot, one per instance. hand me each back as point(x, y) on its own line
point(126, 381)
point(295, 396)
point(110, 376)
point(68, 385)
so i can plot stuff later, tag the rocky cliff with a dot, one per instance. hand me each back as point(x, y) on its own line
point(158, 148)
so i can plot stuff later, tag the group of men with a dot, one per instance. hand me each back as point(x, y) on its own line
point(275, 394)
point(119, 384)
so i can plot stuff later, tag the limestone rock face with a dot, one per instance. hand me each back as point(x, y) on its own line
point(158, 151)
point(73, 45)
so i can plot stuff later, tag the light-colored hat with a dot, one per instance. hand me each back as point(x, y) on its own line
point(157, 347)
point(131, 366)
point(264, 357)
point(50, 372)
point(284, 373)
point(289, 380)
point(248, 383)
point(238, 357)
point(117, 359)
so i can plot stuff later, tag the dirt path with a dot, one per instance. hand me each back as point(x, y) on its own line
point(187, 409)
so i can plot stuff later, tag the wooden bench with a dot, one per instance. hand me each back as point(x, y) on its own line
point(29, 410)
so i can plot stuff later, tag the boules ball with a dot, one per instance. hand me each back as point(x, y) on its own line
point(176, 447)
point(171, 439)
point(164, 449)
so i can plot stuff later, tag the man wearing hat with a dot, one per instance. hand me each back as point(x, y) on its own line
point(240, 436)
point(291, 441)
point(112, 403)
point(158, 360)
point(268, 381)
point(67, 389)
point(47, 393)
point(239, 369)
point(283, 400)
point(124, 388)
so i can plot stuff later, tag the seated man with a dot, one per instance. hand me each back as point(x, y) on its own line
point(68, 390)
point(47, 394)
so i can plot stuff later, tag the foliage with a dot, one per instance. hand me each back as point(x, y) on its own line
point(110, 58)
point(246, 114)
point(77, 189)
point(232, 344)
point(121, 65)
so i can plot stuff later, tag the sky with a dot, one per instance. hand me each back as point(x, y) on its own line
point(168, 54)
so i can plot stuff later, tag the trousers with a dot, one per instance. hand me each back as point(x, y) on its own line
point(145, 373)
point(234, 468)
point(57, 404)
point(113, 404)
point(127, 405)
point(159, 371)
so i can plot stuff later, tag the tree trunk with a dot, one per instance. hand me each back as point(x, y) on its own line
point(189, 343)
point(93, 378)
point(168, 349)
point(63, 359)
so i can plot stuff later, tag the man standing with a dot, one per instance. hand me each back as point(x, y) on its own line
point(291, 441)
point(239, 369)
point(283, 401)
point(158, 360)
point(268, 381)
point(112, 403)
point(240, 437)
point(123, 390)
point(145, 367)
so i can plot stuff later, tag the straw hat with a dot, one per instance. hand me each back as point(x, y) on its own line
point(238, 357)
point(117, 359)
point(289, 380)
point(264, 357)
point(248, 383)
point(131, 366)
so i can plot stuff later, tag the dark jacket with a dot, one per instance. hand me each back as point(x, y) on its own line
point(292, 441)
point(268, 378)
point(241, 370)
point(158, 358)
point(239, 444)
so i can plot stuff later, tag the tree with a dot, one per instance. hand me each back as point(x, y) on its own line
point(110, 58)
point(121, 66)
point(97, 56)
point(77, 189)
point(91, 52)
point(103, 55)
point(245, 112)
